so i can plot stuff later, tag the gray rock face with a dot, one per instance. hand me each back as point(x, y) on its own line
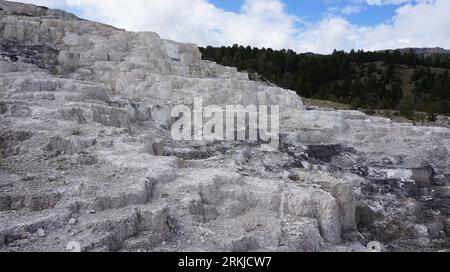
point(88, 162)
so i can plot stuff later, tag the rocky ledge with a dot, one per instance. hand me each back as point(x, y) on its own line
point(87, 161)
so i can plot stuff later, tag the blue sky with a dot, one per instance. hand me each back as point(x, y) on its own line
point(302, 25)
point(314, 10)
point(230, 5)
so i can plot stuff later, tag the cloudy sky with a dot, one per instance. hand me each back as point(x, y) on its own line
point(302, 25)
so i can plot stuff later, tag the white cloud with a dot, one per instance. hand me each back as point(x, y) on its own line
point(387, 2)
point(395, 2)
point(352, 9)
point(266, 23)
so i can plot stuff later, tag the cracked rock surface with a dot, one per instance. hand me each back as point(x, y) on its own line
point(87, 161)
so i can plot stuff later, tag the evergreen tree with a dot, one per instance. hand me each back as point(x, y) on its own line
point(355, 78)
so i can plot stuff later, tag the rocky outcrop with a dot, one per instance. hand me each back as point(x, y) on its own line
point(88, 162)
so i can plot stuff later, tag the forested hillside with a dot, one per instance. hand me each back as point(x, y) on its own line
point(403, 81)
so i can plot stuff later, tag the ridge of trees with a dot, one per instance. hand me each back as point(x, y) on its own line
point(362, 79)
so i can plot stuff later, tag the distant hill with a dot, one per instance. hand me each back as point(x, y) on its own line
point(406, 80)
point(421, 51)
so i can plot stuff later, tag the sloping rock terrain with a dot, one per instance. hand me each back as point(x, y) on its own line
point(87, 161)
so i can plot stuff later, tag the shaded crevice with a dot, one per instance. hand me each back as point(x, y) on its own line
point(43, 56)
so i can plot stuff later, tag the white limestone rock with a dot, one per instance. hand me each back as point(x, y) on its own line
point(92, 104)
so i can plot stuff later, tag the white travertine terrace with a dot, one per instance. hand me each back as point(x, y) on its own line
point(85, 115)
